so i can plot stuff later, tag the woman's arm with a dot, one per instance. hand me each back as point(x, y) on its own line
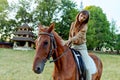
point(79, 35)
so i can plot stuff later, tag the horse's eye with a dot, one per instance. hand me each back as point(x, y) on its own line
point(45, 43)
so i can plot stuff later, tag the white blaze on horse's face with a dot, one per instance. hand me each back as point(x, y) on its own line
point(42, 51)
point(38, 40)
point(42, 48)
point(43, 44)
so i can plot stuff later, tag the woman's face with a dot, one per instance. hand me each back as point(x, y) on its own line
point(82, 17)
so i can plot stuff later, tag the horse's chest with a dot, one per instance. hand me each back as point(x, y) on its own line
point(62, 76)
point(57, 78)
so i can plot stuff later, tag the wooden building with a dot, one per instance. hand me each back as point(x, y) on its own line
point(5, 45)
point(24, 38)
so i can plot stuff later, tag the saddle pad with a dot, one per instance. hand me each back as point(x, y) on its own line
point(79, 62)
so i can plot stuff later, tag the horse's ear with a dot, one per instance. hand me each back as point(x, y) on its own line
point(40, 27)
point(51, 27)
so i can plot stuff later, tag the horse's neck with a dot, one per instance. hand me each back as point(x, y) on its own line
point(59, 64)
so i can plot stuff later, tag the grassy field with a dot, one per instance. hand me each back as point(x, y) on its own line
point(17, 65)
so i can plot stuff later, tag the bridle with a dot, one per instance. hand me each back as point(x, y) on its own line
point(53, 46)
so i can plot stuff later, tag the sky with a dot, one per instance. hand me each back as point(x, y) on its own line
point(110, 8)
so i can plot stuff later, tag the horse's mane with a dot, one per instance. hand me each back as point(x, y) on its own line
point(58, 39)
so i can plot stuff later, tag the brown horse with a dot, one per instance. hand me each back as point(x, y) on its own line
point(49, 44)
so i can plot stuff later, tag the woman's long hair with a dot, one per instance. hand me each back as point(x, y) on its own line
point(77, 24)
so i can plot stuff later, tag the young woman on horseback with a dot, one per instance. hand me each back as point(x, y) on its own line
point(77, 39)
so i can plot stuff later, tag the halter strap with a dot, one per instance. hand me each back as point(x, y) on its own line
point(45, 33)
point(53, 46)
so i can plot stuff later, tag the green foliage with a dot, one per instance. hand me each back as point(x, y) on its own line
point(3, 5)
point(61, 12)
point(112, 36)
point(8, 25)
point(7, 28)
point(117, 44)
point(45, 11)
point(3, 16)
point(4, 29)
point(68, 12)
point(23, 14)
point(98, 31)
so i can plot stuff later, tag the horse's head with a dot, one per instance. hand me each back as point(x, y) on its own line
point(44, 48)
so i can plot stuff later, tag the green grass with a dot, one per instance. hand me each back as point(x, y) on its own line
point(111, 66)
point(17, 65)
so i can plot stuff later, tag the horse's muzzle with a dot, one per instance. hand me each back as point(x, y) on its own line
point(39, 67)
point(38, 70)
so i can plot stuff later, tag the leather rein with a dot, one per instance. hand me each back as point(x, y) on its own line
point(53, 46)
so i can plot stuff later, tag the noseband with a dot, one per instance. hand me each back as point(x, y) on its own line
point(53, 45)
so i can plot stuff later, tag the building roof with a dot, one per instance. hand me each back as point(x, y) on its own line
point(25, 26)
point(24, 33)
point(22, 39)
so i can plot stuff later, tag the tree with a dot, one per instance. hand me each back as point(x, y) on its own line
point(45, 11)
point(7, 30)
point(113, 36)
point(68, 12)
point(23, 15)
point(117, 44)
point(3, 18)
point(61, 12)
point(3, 5)
point(24, 12)
point(99, 30)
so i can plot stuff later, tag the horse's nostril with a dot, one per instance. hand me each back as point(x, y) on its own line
point(38, 68)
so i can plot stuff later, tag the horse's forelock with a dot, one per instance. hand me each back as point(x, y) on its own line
point(50, 29)
point(43, 29)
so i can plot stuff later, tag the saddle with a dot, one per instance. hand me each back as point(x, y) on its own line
point(80, 64)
